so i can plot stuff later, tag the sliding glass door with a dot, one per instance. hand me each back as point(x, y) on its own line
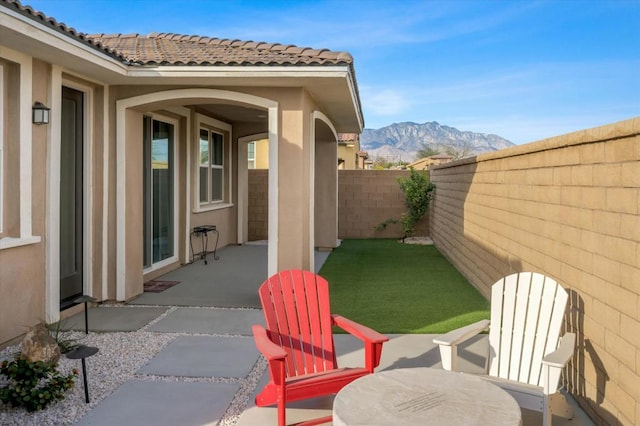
point(159, 197)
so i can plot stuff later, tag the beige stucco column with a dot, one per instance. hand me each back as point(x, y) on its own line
point(295, 171)
point(133, 217)
point(326, 186)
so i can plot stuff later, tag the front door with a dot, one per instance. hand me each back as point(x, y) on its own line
point(71, 196)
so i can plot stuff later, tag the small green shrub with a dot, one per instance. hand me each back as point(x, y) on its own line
point(33, 385)
point(418, 192)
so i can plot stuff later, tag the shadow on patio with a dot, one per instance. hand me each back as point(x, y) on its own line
point(230, 282)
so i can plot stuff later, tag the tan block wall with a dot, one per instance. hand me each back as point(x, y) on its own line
point(567, 207)
point(367, 198)
point(258, 205)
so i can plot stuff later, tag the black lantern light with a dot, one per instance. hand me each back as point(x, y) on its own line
point(40, 113)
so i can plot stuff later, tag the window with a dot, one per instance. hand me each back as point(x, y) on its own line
point(251, 155)
point(211, 155)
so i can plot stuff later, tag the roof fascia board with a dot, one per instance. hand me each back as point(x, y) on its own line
point(240, 71)
point(355, 98)
point(41, 33)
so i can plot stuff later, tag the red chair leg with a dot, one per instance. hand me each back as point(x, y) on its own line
point(282, 407)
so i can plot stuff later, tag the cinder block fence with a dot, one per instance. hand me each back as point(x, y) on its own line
point(366, 198)
point(567, 207)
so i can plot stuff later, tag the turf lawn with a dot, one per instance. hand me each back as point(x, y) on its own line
point(400, 288)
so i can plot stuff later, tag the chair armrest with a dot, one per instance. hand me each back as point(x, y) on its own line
point(372, 339)
point(267, 348)
point(448, 343)
point(554, 362)
point(360, 331)
point(561, 356)
point(462, 334)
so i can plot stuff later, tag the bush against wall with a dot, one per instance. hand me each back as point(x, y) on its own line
point(418, 191)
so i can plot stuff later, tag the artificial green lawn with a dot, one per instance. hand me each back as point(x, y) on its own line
point(400, 288)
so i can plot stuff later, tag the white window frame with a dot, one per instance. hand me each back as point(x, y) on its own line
point(213, 126)
point(25, 141)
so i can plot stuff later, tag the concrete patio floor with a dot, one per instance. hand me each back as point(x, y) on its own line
point(210, 371)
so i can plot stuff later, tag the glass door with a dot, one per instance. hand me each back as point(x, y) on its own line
point(71, 196)
point(158, 205)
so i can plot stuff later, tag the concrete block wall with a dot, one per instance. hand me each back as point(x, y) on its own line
point(365, 199)
point(258, 204)
point(568, 207)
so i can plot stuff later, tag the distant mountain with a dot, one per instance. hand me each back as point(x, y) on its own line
point(402, 141)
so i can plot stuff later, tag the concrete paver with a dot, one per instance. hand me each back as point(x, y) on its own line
point(113, 318)
point(159, 403)
point(204, 356)
point(209, 321)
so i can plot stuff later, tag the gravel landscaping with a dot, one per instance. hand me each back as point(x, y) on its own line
point(120, 356)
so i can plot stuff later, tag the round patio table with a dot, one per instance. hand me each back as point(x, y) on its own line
point(424, 396)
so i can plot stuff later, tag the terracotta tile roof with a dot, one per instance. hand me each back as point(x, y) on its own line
point(176, 49)
point(347, 137)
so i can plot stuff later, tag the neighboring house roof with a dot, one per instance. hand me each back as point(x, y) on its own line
point(347, 137)
point(176, 49)
point(441, 157)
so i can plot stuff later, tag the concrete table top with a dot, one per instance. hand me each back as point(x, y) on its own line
point(424, 396)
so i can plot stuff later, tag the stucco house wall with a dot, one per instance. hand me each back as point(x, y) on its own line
point(297, 106)
point(568, 207)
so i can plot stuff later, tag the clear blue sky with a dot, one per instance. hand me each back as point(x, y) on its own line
point(524, 70)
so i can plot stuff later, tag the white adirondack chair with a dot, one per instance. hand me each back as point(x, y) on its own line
point(525, 354)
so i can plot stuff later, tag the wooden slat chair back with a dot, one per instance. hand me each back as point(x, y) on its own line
point(526, 353)
point(296, 310)
point(527, 310)
point(298, 342)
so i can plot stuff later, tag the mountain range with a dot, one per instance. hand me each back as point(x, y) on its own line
point(402, 141)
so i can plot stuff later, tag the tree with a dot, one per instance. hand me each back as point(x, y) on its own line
point(462, 151)
point(425, 151)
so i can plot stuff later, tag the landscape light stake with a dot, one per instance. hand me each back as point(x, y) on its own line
point(85, 299)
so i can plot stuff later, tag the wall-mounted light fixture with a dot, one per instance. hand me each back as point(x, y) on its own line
point(40, 113)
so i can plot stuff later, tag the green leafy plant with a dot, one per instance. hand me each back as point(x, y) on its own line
point(418, 192)
point(33, 384)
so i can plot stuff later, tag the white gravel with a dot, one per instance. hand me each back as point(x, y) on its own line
point(121, 355)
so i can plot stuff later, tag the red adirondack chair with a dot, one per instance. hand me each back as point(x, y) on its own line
point(298, 342)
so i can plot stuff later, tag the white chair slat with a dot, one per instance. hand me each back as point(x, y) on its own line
point(508, 312)
point(544, 322)
point(555, 324)
point(522, 303)
point(495, 327)
point(533, 313)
